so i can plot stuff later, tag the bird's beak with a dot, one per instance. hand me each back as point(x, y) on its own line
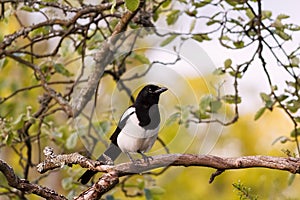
point(161, 90)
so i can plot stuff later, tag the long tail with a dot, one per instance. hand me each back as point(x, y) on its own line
point(112, 151)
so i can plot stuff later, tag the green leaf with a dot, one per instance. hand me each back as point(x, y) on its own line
point(27, 8)
point(201, 3)
point(155, 15)
point(19, 122)
point(227, 63)
point(266, 14)
point(274, 87)
point(191, 13)
point(141, 184)
point(236, 74)
point(172, 17)
point(265, 97)
point(200, 37)
point(59, 68)
point(200, 114)
point(9, 138)
point(282, 16)
point(269, 105)
point(232, 2)
point(293, 109)
point(203, 115)
point(185, 113)
point(142, 58)
point(282, 97)
point(205, 102)
point(239, 44)
point(211, 22)
point(132, 5)
point(168, 40)
point(192, 26)
point(277, 24)
point(197, 38)
point(208, 104)
point(283, 35)
point(156, 190)
point(113, 23)
point(250, 14)
point(232, 99)
point(3, 63)
point(297, 119)
point(113, 7)
point(44, 30)
point(268, 100)
point(72, 141)
point(291, 179)
point(259, 113)
point(166, 3)
point(215, 106)
point(225, 37)
point(295, 132)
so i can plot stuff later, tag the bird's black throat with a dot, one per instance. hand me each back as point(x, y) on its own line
point(148, 115)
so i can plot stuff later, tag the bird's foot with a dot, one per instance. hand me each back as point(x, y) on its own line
point(146, 158)
point(135, 162)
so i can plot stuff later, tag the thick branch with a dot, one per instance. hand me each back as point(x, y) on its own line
point(280, 163)
point(53, 161)
point(25, 186)
point(103, 57)
point(112, 173)
point(287, 164)
point(103, 185)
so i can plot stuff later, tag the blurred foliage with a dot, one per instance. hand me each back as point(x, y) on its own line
point(63, 50)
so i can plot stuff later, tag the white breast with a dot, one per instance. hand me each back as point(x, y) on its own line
point(134, 138)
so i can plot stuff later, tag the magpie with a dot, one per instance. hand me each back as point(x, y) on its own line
point(137, 129)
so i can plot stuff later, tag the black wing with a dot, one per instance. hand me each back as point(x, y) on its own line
point(129, 111)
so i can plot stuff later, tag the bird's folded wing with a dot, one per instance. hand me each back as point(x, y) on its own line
point(129, 111)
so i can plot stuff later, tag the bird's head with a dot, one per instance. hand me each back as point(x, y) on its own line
point(150, 94)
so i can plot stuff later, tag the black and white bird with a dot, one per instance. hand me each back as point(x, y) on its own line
point(137, 129)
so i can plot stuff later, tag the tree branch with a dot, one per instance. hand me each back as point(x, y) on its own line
point(25, 186)
point(103, 185)
point(289, 164)
point(103, 57)
point(53, 161)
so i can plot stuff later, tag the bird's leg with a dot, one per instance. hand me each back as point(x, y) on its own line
point(145, 157)
point(131, 159)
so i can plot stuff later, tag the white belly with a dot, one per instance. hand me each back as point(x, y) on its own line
point(128, 143)
point(134, 138)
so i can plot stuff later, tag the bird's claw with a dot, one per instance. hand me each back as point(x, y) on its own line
point(147, 158)
point(139, 161)
point(136, 162)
